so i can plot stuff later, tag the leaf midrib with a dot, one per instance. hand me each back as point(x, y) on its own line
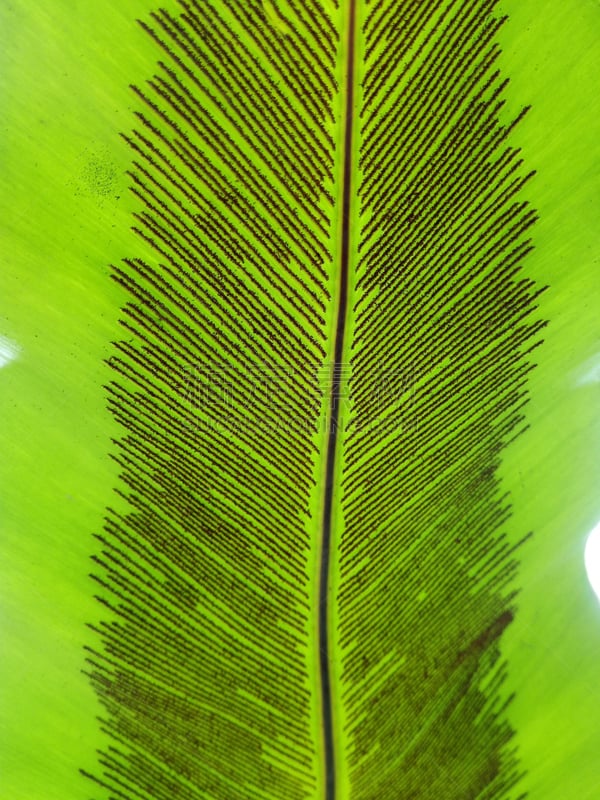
point(341, 291)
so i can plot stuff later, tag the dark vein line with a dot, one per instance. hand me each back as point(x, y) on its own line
point(324, 661)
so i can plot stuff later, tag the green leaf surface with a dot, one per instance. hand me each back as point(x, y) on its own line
point(307, 286)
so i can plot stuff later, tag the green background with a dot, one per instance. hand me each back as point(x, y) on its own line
point(66, 214)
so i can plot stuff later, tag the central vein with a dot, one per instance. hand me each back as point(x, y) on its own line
point(332, 439)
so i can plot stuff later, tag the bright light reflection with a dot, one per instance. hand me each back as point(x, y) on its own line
point(8, 351)
point(589, 372)
point(592, 559)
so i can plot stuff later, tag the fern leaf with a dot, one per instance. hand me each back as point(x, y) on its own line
point(308, 575)
point(328, 345)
